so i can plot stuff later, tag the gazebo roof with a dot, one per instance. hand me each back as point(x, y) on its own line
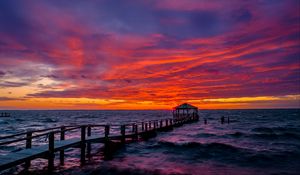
point(185, 106)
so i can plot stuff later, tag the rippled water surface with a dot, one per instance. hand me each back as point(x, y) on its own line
point(254, 142)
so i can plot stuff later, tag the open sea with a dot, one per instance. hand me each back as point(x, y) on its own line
point(254, 142)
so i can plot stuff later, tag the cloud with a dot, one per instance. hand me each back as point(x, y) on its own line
point(159, 51)
point(2, 74)
point(9, 99)
point(12, 84)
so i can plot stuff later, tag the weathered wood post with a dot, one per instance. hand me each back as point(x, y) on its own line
point(143, 128)
point(62, 152)
point(133, 127)
point(106, 141)
point(154, 125)
point(149, 125)
point(51, 151)
point(28, 146)
point(167, 122)
point(161, 124)
point(171, 122)
point(82, 145)
point(89, 147)
point(136, 132)
point(28, 139)
point(146, 126)
point(123, 130)
point(107, 148)
point(222, 119)
point(106, 132)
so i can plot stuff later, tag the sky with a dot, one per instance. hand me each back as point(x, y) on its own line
point(149, 54)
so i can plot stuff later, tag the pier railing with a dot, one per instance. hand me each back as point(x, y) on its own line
point(56, 138)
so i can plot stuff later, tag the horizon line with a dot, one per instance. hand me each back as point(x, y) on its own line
point(144, 109)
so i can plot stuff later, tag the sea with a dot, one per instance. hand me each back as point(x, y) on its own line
point(262, 141)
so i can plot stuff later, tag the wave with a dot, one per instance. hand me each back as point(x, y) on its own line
point(266, 135)
point(276, 129)
point(263, 130)
point(205, 147)
point(50, 120)
point(205, 135)
point(116, 170)
point(221, 152)
point(282, 136)
point(237, 134)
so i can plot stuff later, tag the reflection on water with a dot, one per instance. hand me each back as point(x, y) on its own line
point(255, 142)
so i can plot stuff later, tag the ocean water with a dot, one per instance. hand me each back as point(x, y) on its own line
point(254, 142)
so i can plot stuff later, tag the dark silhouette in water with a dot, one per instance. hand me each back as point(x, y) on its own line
point(5, 114)
point(205, 121)
point(222, 119)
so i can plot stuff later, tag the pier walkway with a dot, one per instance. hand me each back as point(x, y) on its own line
point(57, 142)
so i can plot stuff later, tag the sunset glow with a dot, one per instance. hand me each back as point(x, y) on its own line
point(151, 54)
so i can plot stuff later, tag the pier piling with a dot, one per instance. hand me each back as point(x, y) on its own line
point(62, 152)
point(51, 151)
point(28, 146)
point(82, 145)
point(133, 127)
point(123, 128)
point(136, 132)
point(89, 133)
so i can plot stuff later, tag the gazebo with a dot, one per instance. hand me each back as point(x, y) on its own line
point(185, 111)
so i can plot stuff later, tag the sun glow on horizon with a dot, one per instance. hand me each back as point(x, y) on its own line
point(119, 104)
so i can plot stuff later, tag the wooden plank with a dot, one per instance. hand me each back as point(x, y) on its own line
point(15, 158)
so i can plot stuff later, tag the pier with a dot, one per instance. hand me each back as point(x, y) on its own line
point(58, 142)
point(4, 114)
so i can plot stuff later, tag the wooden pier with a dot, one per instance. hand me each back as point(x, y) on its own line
point(57, 141)
point(4, 114)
